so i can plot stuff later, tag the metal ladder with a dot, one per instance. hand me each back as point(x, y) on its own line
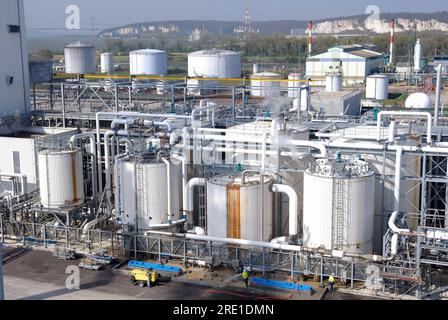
point(338, 213)
point(202, 202)
point(140, 192)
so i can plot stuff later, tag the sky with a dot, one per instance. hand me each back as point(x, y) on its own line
point(112, 13)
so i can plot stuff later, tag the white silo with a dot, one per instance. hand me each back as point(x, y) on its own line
point(239, 209)
point(333, 82)
point(265, 84)
point(61, 179)
point(418, 100)
point(148, 62)
point(417, 56)
point(377, 87)
point(79, 58)
point(338, 206)
point(294, 85)
point(107, 62)
point(214, 63)
point(144, 195)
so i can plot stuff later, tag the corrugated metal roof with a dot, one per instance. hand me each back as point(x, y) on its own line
point(365, 54)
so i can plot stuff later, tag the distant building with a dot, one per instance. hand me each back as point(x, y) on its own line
point(355, 61)
point(197, 34)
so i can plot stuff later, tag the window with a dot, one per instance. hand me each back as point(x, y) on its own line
point(13, 28)
point(16, 161)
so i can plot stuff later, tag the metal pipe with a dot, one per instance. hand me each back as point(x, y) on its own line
point(293, 207)
point(16, 176)
point(168, 177)
point(437, 103)
point(406, 113)
point(118, 159)
point(188, 195)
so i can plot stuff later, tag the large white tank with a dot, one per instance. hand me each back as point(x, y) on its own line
point(263, 86)
point(107, 62)
point(418, 100)
point(333, 82)
point(377, 87)
point(61, 179)
point(236, 209)
point(144, 192)
point(148, 62)
point(79, 58)
point(214, 63)
point(294, 86)
point(338, 206)
point(417, 56)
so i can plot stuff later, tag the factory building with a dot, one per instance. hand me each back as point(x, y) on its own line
point(355, 61)
point(14, 75)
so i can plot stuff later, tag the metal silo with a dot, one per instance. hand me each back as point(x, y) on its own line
point(377, 87)
point(144, 196)
point(294, 86)
point(214, 63)
point(61, 183)
point(265, 84)
point(338, 206)
point(333, 82)
point(148, 62)
point(79, 58)
point(239, 209)
point(107, 62)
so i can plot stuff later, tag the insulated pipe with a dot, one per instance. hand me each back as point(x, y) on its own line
point(166, 225)
point(149, 123)
point(188, 195)
point(168, 179)
point(15, 176)
point(183, 160)
point(437, 104)
point(118, 159)
point(293, 207)
point(397, 184)
point(405, 113)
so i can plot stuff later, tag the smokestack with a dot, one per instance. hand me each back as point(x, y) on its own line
point(392, 40)
point(310, 38)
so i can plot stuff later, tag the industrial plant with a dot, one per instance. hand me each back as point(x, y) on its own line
point(299, 182)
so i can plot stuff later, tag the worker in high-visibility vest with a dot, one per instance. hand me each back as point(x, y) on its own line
point(331, 282)
point(245, 276)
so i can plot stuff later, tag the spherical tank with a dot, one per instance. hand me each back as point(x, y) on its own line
point(61, 178)
point(263, 86)
point(107, 62)
point(418, 100)
point(79, 58)
point(342, 218)
point(294, 86)
point(239, 210)
point(144, 192)
point(148, 62)
point(333, 82)
point(377, 87)
point(214, 63)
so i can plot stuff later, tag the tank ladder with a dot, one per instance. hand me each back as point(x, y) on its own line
point(140, 193)
point(338, 213)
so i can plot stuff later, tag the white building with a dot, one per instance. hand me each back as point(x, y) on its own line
point(355, 61)
point(14, 75)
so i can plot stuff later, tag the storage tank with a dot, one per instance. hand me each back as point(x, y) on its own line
point(79, 58)
point(107, 62)
point(214, 63)
point(417, 56)
point(144, 191)
point(333, 82)
point(338, 206)
point(148, 62)
point(294, 86)
point(61, 183)
point(263, 86)
point(235, 208)
point(418, 100)
point(377, 87)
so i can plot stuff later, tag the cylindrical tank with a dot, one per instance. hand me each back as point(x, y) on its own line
point(262, 86)
point(377, 87)
point(294, 86)
point(236, 209)
point(61, 179)
point(417, 56)
point(214, 63)
point(338, 206)
point(144, 192)
point(148, 62)
point(333, 82)
point(255, 68)
point(418, 100)
point(79, 58)
point(107, 62)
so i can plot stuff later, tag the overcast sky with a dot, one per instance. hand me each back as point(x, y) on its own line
point(109, 13)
